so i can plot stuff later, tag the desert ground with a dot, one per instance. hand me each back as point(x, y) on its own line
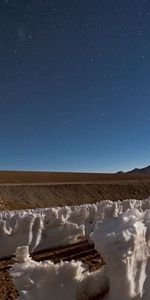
point(22, 190)
point(17, 177)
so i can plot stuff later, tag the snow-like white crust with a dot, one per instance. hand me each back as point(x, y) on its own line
point(121, 234)
point(124, 243)
point(56, 226)
point(62, 281)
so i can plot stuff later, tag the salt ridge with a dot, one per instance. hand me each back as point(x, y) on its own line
point(56, 226)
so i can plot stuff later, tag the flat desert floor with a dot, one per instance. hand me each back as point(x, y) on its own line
point(21, 190)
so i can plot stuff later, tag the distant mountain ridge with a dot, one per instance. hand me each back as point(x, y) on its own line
point(142, 171)
point(137, 171)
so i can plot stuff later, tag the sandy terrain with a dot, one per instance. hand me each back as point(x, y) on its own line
point(42, 189)
point(31, 196)
point(53, 177)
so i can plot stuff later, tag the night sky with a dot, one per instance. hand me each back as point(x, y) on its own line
point(74, 85)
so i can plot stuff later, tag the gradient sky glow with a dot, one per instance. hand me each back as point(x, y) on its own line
point(74, 85)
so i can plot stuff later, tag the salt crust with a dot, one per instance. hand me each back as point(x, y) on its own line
point(52, 227)
point(62, 281)
point(121, 234)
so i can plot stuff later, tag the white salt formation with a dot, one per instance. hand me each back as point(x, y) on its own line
point(121, 234)
point(63, 281)
point(22, 254)
point(52, 227)
point(37, 229)
point(124, 243)
point(45, 280)
point(93, 284)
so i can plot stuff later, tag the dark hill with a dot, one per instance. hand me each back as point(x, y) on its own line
point(142, 171)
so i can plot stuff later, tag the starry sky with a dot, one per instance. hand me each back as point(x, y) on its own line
point(74, 85)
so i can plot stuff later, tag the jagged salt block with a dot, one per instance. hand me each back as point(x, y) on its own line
point(22, 254)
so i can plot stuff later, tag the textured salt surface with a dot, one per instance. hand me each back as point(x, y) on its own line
point(120, 232)
point(51, 227)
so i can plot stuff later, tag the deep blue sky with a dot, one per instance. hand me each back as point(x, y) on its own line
point(74, 85)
